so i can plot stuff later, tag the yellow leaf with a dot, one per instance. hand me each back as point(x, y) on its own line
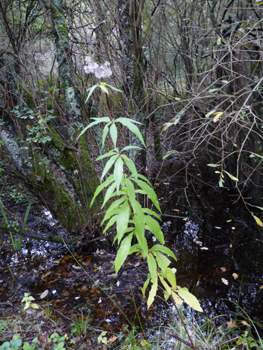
point(261, 287)
point(258, 221)
point(235, 275)
point(223, 269)
point(245, 323)
point(217, 116)
point(231, 176)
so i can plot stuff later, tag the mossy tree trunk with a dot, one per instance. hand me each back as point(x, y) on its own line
point(39, 144)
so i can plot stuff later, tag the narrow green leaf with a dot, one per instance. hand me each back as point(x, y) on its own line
point(112, 207)
point(101, 187)
point(135, 248)
point(154, 227)
point(114, 134)
point(130, 190)
point(165, 250)
point(83, 131)
point(108, 165)
point(123, 119)
point(108, 154)
point(104, 134)
point(122, 221)
point(118, 172)
point(97, 121)
point(162, 261)
point(150, 192)
point(144, 178)
point(139, 223)
point(108, 193)
point(152, 294)
point(113, 88)
point(91, 91)
point(145, 286)
point(170, 276)
point(189, 298)
point(127, 148)
point(151, 212)
point(152, 268)
point(130, 165)
point(133, 128)
point(123, 252)
point(111, 222)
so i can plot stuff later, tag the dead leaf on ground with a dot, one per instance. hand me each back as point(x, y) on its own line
point(235, 275)
point(231, 324)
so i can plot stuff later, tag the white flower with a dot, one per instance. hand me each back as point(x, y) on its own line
point(100, 71)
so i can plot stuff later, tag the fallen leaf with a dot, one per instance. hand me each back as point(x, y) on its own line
point(235, 275)
point(245, 323)
point(224, 281)
point(112, 339)
point(231, 324)
point(223, 269)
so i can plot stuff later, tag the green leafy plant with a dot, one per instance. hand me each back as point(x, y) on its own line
point(28, 302)
point(12, 345)
point(123, 190)
point(17, 243)
point(59, 341)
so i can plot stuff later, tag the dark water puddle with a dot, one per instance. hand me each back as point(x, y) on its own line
point(219, 249)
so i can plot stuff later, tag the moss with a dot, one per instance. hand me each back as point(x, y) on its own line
point(53, 194)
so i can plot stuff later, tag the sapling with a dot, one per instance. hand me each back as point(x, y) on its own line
point(123, 190)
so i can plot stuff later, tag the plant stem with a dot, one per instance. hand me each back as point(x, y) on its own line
point(178, 313)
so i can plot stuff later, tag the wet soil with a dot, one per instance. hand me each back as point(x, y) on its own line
point(216, 240)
